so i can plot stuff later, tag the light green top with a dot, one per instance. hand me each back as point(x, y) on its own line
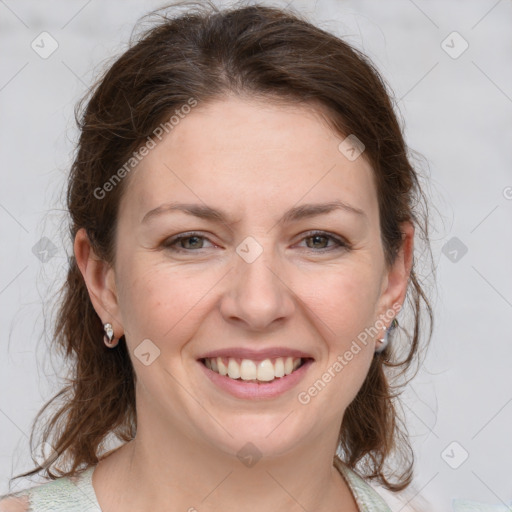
point(77, 494)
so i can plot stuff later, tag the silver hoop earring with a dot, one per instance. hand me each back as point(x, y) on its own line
point(385, 341)
point(108, 337)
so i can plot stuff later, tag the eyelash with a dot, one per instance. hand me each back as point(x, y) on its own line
point(340, 244)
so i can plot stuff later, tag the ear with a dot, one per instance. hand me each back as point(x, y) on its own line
point(99, 278)
point(395, 283)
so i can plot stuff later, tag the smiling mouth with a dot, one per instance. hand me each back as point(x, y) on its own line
point(248, 370)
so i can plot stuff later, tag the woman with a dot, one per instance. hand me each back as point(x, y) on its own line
point(243, 213)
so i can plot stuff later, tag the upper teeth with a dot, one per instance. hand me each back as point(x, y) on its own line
point(247, 369)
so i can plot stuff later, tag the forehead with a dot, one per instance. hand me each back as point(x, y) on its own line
point(249, 153)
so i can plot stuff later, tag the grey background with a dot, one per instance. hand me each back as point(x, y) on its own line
point(457, 114)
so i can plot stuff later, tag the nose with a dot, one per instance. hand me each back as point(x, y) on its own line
point(257, 295)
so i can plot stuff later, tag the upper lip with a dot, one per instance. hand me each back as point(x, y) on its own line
point(256, 355)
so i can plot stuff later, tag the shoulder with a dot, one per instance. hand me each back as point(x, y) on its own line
point(367, 498)
point(375, 498)
point(64, 494)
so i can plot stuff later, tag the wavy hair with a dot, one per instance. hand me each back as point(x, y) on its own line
point(208, 53)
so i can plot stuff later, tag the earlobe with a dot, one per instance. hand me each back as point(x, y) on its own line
point(99, 279)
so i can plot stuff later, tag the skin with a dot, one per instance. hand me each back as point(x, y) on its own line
point(254, 161)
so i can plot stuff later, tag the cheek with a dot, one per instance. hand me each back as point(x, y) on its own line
point(344, 301)
point(158, 301)
point(163, 301)
point(344, 309)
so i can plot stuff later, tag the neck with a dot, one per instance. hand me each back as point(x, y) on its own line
point(162, 466)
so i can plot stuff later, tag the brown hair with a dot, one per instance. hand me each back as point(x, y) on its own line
point(207, 53)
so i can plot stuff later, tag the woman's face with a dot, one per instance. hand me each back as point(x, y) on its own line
point(248, 271)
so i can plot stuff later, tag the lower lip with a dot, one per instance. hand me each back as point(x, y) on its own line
point(255, 390)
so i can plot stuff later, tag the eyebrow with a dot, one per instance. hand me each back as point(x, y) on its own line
point(293, 214)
